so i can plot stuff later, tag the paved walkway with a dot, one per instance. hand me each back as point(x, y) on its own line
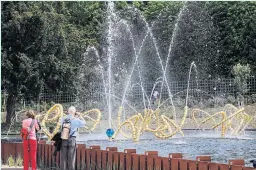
point(12, 168)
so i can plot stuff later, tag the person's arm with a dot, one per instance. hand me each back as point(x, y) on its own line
point(23, 124)
point(80, 120)
point(37, 125)
point(81, 123)
point(61, 122)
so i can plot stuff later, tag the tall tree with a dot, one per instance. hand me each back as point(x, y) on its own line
point(237, 24)
point(42, 47)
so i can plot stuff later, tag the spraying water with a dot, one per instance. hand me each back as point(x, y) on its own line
point(110, 54)
point(174, 34)
point(101, 69)
point(113, 24)
point(189, 75)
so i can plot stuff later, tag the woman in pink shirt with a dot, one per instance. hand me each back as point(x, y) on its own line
point(30, 144)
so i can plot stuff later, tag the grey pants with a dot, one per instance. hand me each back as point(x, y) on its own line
point(68, 154)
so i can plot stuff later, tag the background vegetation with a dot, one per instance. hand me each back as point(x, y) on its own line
point(43, 43)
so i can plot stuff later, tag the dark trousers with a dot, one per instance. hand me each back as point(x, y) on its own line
point(68, 154)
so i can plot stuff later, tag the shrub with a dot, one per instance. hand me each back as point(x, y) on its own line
point(10, 161)
point(19, 161)
point(241, 73)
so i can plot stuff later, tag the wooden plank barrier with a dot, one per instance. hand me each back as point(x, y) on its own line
point(93, 158)
point(151, 153)
point(128, 163)
point(183, 164)
point(248, 168)
point(46, 150)
point(111, 149)
point(88, 158)
point(175, 164)
point(58, 160)
point(131, 151)
point(203, 165)
point(157, 163)
point(116, 161)
point(2, 152)
point(83, 158)
point(192, 165)
point(9, 150)
point(236, 167)
point(43, 155)
point(110, 160)
point(122, 161)
point(79, 155)
point(236, 162)
point(213, 166)
point(19, 150)
point(166, 164)
point(175, 155)
point(143, 162)
point(150, 162)
point(104, 159)
point(135, 162)
point(99, 159)
point(223, 167)
point(204, 158)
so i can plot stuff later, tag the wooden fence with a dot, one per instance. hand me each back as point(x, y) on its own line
point(93, 158)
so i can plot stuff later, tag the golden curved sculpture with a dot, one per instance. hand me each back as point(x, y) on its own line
point(87, 115)
point(163, 127)
point(139, 123)
point(232, 118)
point(57, 111)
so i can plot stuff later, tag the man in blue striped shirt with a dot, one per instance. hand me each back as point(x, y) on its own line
point(68, 147)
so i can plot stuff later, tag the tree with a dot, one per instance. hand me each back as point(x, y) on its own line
point(236, 22)
point(42, 47)
point(196, 40)
point(241, 74)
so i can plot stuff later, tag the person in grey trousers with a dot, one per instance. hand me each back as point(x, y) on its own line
point(68, 146)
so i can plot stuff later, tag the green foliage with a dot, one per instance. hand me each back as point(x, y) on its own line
point(236, 22)
point(43, 43)
point(10, 161)
point(196, 40)
point(241, 74)
point(19, 161)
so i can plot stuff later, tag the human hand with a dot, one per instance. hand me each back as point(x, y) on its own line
point(78, 114)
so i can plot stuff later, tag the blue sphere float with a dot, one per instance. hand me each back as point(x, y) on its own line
point(110, 132)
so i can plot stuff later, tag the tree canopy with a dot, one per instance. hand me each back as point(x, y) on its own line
point(43, 43)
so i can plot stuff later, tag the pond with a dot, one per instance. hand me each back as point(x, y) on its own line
point(194, 144)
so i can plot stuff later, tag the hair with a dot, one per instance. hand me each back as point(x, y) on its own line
point(30, 114)
point(71, 109)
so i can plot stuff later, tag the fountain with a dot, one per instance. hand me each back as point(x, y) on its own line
point(150, 123)
point(139, 123)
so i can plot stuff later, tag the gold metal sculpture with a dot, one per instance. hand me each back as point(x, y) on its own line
point(89, 115)
point(55, 114)
point(140, 123)
point(57, 110)
point(231, 118)
point(163, 127)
